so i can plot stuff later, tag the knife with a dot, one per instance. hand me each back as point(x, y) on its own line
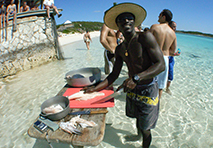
point(116, 93)
point(88, 112)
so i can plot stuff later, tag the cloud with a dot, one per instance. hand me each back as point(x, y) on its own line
point(97, 11)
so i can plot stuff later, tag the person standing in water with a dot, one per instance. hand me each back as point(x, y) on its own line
point(173, 25)
point(109, 41)
point(87, 39)
point(144, 59)
point(166, 39)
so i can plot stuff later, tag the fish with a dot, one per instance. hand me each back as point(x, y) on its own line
point(82, 122)
point(70, 128)
point(84, 96)
point(56, 108)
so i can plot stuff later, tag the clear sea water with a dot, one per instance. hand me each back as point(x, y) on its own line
point(186, 116)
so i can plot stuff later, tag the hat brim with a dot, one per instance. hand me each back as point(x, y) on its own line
point(111, 14)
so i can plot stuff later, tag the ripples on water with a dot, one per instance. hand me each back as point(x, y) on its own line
point(186, 117)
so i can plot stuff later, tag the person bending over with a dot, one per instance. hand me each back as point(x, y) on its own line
point(144, 59)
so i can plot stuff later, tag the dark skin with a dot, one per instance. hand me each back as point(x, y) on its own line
point(146, 62)
point(144, 58)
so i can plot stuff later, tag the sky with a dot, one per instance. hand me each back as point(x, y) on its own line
point(190, 15)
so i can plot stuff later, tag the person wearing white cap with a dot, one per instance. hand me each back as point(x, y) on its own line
point(144, 59)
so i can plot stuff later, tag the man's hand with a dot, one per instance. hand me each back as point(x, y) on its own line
point(128, 84)
point(89, 89)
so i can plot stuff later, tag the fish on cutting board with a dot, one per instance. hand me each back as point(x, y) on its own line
point(84, 96)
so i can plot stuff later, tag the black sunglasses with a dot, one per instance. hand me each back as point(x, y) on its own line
point(123, 19)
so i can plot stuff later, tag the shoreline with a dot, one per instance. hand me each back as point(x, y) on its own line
point(65, 39)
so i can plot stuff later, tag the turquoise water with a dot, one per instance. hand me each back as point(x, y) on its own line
point(186, 117)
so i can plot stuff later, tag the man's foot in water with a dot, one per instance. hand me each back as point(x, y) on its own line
point(168, 91)
point(133, 137)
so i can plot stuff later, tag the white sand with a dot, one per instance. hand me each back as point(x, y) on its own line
point(70, 38)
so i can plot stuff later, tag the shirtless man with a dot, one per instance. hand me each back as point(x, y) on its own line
point(166, 39)
point(109, 41)
point(144, 60)
point(11, 10)
point(25, 7)
point(173, 25)
point(87, 39)
point(50, 4)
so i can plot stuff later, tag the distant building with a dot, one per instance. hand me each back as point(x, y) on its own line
point(66, 24)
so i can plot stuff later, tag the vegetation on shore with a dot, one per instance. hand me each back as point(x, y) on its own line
point(195, 33)
point(82, 26)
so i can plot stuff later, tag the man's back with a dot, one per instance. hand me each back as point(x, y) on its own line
point(109, 41)
point(165, 37)
point(108, 38)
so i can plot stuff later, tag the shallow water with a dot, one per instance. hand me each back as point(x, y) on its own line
point(186, 117)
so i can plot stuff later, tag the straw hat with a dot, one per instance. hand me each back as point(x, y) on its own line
point(112, 13)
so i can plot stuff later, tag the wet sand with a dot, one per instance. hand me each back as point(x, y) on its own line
point(70, 38)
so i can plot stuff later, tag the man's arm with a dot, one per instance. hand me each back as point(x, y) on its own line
point(103, 38)
point(89, 37)
point(28, 8)
point(173, 47)
point(21, 9)
point(7, 9)
point(15, 9)
point(110, 78)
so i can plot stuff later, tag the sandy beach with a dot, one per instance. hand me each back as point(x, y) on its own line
point(65, 39)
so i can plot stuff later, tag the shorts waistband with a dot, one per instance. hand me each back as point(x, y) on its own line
point(144, 99)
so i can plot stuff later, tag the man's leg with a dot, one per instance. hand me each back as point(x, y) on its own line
point(1, 21)
point(147, 138)
point(14, 18)
point(56, 10)
point(167, 87)
point(3, 24)
point(7, 23)
point(87, 44)
point(160, 93)
point(135, 137)
point(48, 11)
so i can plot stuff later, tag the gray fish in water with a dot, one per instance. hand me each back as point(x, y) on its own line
point(194, 56)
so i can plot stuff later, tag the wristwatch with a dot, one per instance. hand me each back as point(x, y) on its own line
point(136, 78)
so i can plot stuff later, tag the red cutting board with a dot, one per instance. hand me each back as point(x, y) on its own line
point(87, 103)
